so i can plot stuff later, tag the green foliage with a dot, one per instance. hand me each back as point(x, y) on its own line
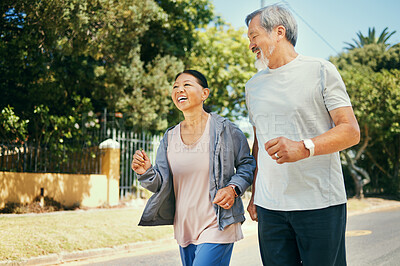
point(149, 105)
point(370, 39)
point(60, 50)
point(372, 56)
point(372, 78)
point(61, 59)
point(12, 128)
point(176, 33)
point(53, 129)
point(222, 55)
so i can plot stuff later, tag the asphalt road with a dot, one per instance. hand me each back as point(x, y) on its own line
point(371, 239)
point(374, 239)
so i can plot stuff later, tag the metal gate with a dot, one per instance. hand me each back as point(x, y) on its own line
point(130, 142)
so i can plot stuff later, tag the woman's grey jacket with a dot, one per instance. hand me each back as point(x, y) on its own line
point(230, 163)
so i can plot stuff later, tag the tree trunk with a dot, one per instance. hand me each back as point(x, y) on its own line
point(359, 175)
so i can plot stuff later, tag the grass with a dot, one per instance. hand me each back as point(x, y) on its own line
point(354, 205)
point(34, 235)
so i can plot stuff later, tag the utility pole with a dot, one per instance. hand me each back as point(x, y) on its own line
point(262, 3)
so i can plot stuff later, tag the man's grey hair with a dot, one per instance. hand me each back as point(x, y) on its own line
point(276, 15)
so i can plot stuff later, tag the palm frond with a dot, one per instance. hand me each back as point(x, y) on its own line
point(370, 38)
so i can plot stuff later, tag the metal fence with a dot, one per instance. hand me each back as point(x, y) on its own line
point(75, 159)
point(29, 157)
point(130, 142)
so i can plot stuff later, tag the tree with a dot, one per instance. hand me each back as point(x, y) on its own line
point(107, 51)
point(372, 78)
point(175, 33)
point(222, 55)
point(122, 55)
point(370, 39)
point(53, 52)
point(372, 56)
point(148, 106)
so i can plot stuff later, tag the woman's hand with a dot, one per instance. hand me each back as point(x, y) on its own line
point(225, 197)
point(140, 162)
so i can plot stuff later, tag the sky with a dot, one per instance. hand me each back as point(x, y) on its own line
point(324, 25)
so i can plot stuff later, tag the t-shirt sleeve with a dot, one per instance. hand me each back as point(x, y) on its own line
point(334, 93)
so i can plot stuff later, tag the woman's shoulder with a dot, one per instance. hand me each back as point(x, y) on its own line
point(170, 129)
point(225, 122)
point(168, 132)
point(218, 118)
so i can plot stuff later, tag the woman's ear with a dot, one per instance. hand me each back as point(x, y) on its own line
point(206, 93)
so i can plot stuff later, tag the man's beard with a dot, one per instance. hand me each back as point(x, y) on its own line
point(263, 62)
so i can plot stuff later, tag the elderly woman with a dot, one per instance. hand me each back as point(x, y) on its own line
point(203, 166)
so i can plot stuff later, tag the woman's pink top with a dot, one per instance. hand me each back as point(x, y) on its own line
point(195, 219)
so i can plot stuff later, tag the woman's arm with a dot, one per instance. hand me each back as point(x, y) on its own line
point(244, 161)
point(244, 164)
point(151, 178)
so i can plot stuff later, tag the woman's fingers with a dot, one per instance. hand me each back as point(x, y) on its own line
point(224, 198)
point(145, 157)
point(139, 163)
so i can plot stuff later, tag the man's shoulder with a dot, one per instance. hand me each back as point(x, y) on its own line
point(257, 74)
point(256, 78)
point(311, 59)
point(316, 60)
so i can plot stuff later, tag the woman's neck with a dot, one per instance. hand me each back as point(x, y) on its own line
point(195, 119)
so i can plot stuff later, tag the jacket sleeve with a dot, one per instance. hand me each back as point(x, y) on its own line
point(244, 161)
point(152, 179)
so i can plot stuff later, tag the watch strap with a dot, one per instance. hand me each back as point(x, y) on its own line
point(309, 144)
point(236, 190)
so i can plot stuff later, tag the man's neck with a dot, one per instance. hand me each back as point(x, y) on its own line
point(282, 56)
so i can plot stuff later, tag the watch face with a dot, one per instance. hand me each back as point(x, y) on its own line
point(308, 143)
point(237, 190)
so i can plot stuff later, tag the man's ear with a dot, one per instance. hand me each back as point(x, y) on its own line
point(206, 93)
point(280, 32)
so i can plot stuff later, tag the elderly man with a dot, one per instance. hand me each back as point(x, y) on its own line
point(302, 117)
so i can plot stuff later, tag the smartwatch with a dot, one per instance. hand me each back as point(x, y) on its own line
point(309, 144)
point(236, 190)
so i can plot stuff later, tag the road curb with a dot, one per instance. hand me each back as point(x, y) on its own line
point(383, 207)
point(64, 257)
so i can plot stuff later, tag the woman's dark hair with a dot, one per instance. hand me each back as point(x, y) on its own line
point(201, 79)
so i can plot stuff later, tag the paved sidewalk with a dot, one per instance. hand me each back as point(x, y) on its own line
point(249, 228)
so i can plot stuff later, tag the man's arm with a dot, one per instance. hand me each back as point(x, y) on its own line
point(251, 208)
point(345, 134)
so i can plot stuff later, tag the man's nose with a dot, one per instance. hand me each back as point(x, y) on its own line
point(251, 46)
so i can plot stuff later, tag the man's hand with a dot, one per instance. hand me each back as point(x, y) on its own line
point(284, 150)
point(140, 162)
point(251, 208)
point(225, 197)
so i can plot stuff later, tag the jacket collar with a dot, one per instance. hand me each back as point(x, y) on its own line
point(218, 121)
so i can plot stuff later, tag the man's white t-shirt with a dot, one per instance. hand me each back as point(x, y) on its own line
point(294, 101)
